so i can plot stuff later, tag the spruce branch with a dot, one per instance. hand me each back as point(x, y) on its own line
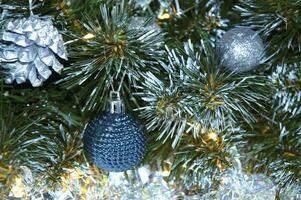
point(115, 49)
point(59, 152)
point(74, 8)
point(29, 125)
point(204, 17)
point(201, 162)
point(20, 8)
point(274, 147)
point(16, 141)
point(41, 145)
point(288, 96)
point(279, 21)
point(197, 93)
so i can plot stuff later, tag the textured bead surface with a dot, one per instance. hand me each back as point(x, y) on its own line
point(115, 142)
point(240, 49)
point(28, 49)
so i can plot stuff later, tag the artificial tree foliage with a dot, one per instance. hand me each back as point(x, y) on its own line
point(199, 117)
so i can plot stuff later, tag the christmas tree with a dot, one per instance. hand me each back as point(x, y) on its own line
point(150, 99)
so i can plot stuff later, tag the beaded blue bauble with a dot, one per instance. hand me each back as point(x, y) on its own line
point(240, 49)
point(115, 142)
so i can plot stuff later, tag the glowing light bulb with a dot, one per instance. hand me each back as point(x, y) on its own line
point(164, 15)
point(89, 36)
point(18, 189)
point(213, 136)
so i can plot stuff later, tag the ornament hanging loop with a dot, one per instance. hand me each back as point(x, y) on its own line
point(116, 104)
point(30, 7)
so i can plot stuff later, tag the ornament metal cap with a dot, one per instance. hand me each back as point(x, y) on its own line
point(116, 103)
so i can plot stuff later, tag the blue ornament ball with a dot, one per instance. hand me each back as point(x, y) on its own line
point(240, 49)
point(115, 142)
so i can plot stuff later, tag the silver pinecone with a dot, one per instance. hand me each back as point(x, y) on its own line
point(28, 48)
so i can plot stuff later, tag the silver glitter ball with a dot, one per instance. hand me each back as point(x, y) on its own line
point(29, 48)
point(240, 49)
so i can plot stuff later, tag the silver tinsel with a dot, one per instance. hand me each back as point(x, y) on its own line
point(82, 182)
point(29, 47)
point(154, 187)
point(292, 192)
point(240, 49)
point(142, 3)
point(237, 185)
point(142, 23)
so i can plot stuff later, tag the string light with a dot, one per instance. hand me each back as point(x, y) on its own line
point(89, 36)
point(213, 136)
point(18, 189)
point(165, 15)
